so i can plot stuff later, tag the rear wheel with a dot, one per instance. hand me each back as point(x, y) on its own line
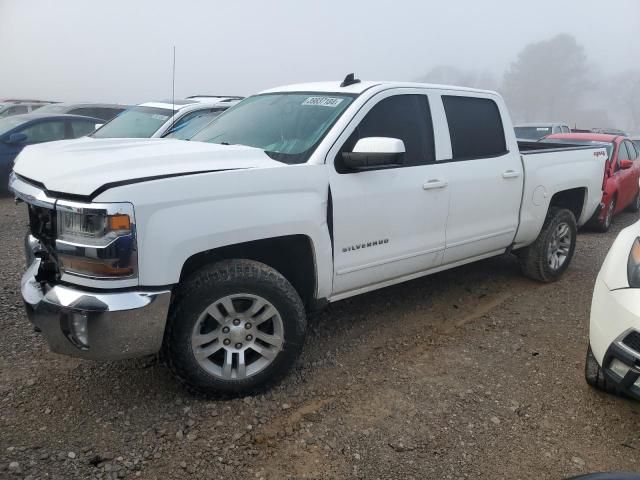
point(549, 256)
point(594, 376)
point(236, 327)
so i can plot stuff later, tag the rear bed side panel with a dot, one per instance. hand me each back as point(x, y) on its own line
point(547, 173)
point(180, 217)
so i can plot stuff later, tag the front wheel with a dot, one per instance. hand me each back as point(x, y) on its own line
point(549, 256)
point(235, 328)
point(594, 375)
point(605, 225)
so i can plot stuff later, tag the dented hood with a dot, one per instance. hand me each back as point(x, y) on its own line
point(82, 166)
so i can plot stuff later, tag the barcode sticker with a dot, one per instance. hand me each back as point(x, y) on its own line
point(323, 101)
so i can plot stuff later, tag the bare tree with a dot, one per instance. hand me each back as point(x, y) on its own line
point(548, 81)
point(624, 92)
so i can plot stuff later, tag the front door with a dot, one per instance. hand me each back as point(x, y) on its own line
point(388, 223)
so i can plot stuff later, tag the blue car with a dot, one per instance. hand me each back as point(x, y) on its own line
point(18, 131)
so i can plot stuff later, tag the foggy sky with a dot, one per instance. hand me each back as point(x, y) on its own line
point(121, 50)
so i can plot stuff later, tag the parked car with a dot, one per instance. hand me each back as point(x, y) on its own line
point(18, 131)
point(103, 111)
point(613, 354)
point(214, 98)
point(215, 249)
point(536, 131)
point(620, 185)
point(15, 107)
point(157, 119)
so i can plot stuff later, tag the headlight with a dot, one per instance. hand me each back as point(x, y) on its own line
point(97, 229)
point(96, 240)
point(633, 265)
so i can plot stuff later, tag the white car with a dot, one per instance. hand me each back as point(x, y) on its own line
point(172, 119)
point(613, 355)
point(535, 131)
point(215, 249)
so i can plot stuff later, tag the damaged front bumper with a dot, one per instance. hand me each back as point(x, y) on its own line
point(95, 325)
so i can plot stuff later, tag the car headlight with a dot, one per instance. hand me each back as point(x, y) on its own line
point(633, 265)
point(96, 240)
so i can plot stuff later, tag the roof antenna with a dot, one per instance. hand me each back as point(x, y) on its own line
point(350, 79)
point(173, 90)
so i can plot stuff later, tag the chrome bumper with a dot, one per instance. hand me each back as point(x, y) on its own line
point(94, 325)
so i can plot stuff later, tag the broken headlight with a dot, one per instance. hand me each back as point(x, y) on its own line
point(96, 240)
point(633, 265)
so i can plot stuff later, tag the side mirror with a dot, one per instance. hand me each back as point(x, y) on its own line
point(626, 164)
point(375, 152)
point(98, 125)
point(17, 139)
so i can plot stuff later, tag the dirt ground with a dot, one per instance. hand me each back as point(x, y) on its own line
point(472, 373)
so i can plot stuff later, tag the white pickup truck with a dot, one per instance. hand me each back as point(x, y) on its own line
point(213, 251)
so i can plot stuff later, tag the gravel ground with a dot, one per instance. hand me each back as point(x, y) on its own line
point(472, 373)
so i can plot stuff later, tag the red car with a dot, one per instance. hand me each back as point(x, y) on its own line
point(621, 175)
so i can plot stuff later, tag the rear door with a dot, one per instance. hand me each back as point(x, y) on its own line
point(485, 178)
point(388, 223)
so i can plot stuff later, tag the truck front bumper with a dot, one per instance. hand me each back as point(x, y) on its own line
point(96, 325)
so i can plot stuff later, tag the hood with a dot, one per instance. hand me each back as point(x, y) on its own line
point(82, 166)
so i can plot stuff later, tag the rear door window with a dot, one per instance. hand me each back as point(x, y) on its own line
point(405, 117)
point(475, 127)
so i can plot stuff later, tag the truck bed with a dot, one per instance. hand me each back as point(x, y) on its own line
point(555, 167)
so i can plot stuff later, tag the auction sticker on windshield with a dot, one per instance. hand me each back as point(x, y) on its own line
point(323, 101)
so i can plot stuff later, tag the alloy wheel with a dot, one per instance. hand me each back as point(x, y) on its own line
point(237, 336)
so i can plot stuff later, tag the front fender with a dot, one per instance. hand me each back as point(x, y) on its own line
point(182, 216)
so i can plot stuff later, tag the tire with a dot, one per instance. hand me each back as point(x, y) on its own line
point(605, 224)
point(221, 298)
point(594, 376)
point(635, 205)
point(536, 261)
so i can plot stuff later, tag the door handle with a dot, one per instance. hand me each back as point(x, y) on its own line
point(435, 183)
point(510, 174)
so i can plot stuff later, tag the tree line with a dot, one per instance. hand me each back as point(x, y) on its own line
point(553, 80)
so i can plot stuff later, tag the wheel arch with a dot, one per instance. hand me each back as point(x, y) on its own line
point(573, 199)
point(293, 256)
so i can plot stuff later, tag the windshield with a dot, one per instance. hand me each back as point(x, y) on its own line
point(287, 126)
point(137, 122)
point(186, 130)
point(10, 123)
point(532, 133)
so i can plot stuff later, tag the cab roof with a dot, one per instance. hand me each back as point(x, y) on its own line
point(358, 88)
